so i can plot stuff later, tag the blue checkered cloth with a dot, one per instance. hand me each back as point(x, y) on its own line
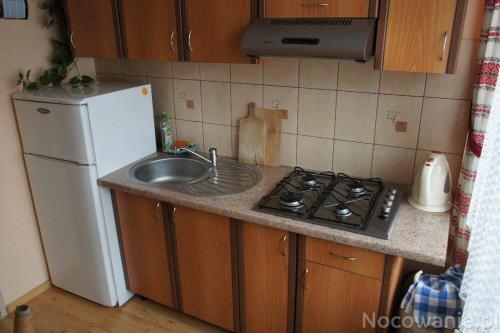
point(434, 301)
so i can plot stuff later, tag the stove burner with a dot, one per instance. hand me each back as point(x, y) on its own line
point(342, 210)
point(309, 180)
point(292, 200)
point(356, 188)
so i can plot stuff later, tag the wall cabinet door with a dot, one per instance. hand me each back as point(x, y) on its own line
point(203, 251)
point(266, 269)
point(149, 29)
point(316, 8)
point(419, 35)
point(214, 30)
point(144, 241)
point(93, 28)
point(334, 300)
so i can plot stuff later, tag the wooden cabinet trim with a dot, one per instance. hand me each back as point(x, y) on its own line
point(390, 288)
point(235, 262)
point(456, 37)
point(299, 288)
point(381, 33)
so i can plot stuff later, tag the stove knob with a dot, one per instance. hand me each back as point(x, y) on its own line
point(391, 197)
point(386, 209)
point(393, 191)
point(388, 202)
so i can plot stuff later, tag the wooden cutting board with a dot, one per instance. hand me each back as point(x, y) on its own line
point(273, 134)
point(253, 131)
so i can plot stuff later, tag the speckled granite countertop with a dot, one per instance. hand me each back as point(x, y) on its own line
point(417, 235)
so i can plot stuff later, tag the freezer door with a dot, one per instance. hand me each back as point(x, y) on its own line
point(72, 227)
point(55, 130)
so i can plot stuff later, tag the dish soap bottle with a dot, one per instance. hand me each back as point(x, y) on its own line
point(167, 137)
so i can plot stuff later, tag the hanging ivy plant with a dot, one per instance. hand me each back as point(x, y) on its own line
point(63, 61)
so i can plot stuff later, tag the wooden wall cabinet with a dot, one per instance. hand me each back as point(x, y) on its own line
point(93, 28)
point(267, 268)
point(149, 29)
point(316, 8)
point(419, 36)
point(145, 244)
point(213, 30)
point(205, 251)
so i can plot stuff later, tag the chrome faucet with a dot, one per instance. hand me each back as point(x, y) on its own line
point(212, 153)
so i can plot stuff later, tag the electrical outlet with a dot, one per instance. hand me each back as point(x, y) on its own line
point(183, 95)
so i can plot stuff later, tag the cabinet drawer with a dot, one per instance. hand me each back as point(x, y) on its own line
point(316, 8)
point(348, 258)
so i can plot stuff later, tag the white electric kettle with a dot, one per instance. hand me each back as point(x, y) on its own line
point(431, 190)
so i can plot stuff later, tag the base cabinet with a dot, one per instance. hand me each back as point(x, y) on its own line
point(204, 266)
point(267, 270)
point(145, 247)
point(335, 301)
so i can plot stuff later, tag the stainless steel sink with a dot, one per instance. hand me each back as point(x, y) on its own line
point(194, 176)
point(169, 170)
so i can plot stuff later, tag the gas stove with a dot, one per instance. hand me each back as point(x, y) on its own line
point(365, 206)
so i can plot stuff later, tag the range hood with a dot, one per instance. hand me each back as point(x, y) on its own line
point(349, 38)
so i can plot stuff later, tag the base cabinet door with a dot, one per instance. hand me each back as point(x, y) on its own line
point(335, 301)
point(144, 241)
point(204, 262)
point(265, 268)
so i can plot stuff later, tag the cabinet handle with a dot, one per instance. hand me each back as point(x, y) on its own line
point(343, 257)
point(172, 45)
point(158, 211)
point(283, 244)
point(304, 278)
point(315, 5)
point(173, 215)
point(43, 110)
point(71, 39)
point(444, 45)
point(189, 41)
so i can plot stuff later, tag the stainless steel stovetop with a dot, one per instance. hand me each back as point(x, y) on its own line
point(365, 206)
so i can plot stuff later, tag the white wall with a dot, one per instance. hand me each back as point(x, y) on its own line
point(23, 45)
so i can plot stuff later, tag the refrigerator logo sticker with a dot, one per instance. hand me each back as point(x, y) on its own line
point(144, 91)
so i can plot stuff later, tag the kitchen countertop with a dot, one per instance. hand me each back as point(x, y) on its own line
point(417, 235)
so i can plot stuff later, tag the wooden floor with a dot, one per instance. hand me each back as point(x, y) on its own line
point(58, 311)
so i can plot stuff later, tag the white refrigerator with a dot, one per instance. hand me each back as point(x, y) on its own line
point(70, 138)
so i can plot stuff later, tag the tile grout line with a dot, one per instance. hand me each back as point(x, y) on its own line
point(375, 129)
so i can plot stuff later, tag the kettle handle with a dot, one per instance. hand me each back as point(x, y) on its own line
point(425, 183)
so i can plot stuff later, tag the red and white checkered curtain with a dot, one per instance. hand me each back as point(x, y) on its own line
point(487, 69)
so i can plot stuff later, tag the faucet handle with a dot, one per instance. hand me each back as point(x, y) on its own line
point(213, 155)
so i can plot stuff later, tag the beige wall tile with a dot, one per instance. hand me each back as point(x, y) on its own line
point(190, 131)
point(473, 19)
point(400, 83)
point(314, 153)
point(355, 116)
point(355, 76)
point(454, 161)
point(352, 158)
point(235, 132)
point(86, 66)
point(282, 72)
point(159, 68)
point(458, 85)
point(185, 92)
point(134, 67)
point(186, 70)
point(216, 102)
point(393, 164)
point(163, 96)
point(217, 136)
point(288, 150)
point(247, 73)
point(108, 66)
point(316, 112)
point(215, 72)
point(135, 79)
point(286, 99)
point(241, 96)
point(101, 76)
point(444, 125)
point(318, 73)
point(393, 109)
